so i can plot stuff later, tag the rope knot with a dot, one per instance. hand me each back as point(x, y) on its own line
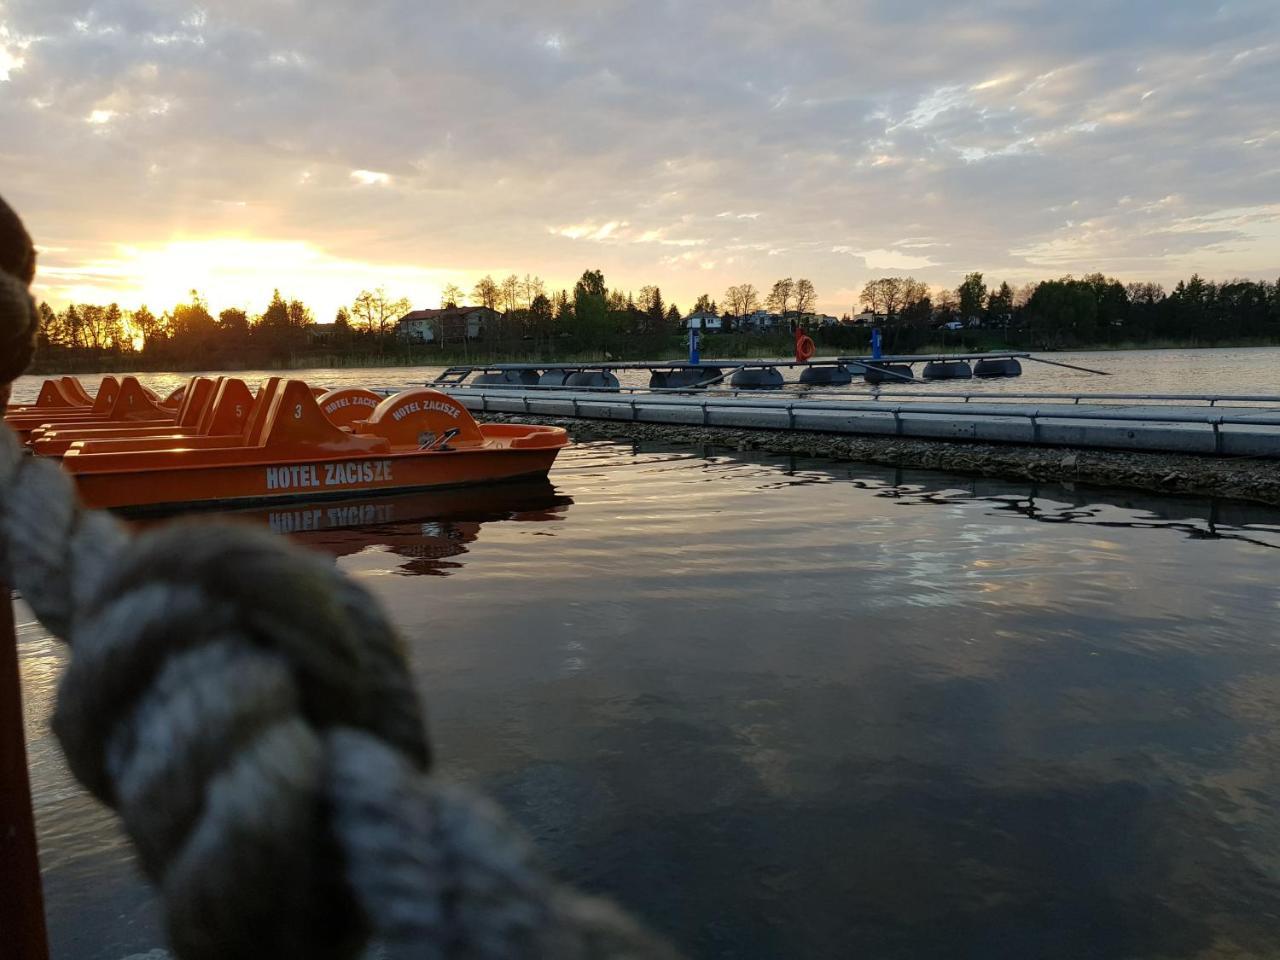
point(19, 321)
point(212, 662)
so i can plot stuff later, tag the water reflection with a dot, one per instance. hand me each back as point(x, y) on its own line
point(428, 528)
point(1198, 517)
point(789, 707)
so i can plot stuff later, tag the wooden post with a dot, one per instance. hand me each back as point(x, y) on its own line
point(22, 928)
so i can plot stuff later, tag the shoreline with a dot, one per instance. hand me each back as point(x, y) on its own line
point(1236, 478)
point(134, 363)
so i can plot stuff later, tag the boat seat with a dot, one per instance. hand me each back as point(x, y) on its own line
point(418, 418)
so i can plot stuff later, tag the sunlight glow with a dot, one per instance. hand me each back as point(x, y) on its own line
point(234, 272)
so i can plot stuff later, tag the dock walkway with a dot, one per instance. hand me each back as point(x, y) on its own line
point(1220, 425)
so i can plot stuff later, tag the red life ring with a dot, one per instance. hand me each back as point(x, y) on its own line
point(804, 347)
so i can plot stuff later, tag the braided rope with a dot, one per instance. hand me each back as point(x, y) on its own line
point(248, 712)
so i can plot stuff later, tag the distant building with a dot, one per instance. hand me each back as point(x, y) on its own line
point(447, 323)
point(704, 320)
point(760, 320)
point(869, 318)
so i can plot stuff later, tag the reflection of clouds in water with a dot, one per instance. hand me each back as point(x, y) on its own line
point(788, 708)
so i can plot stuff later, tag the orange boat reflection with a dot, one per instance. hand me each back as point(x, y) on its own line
point(427, 528)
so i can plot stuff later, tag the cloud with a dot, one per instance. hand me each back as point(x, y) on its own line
point(883, 259)
point(743, 134)
point(370, 178)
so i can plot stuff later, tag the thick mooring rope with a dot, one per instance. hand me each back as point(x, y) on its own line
point(248, 712)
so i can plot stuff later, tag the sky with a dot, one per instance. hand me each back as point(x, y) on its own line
point(322, 148)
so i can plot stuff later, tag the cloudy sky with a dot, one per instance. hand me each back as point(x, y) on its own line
point(320, 148)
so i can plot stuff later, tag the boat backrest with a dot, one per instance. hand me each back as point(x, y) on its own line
point(346, 405)
point(296, 420)
point(230, 410)
point(415, 417)
point(105, 398)
point(75, 392)
point(196, 400)
point(175, 398)
point(135, 401)
point(255, 425)
point(52, 395)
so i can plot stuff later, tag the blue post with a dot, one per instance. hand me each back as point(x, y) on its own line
point(693, 346)
point(876, 353)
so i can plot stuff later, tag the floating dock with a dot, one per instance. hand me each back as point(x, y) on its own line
point(1222, 425)
point(764, 374)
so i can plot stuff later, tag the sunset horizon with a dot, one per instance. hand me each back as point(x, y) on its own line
point(158, 149)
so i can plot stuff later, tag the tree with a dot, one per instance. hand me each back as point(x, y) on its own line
point(511, 293)
point(806, 296)
point(234, 323)
point(374, 312)
point(192, 326)
point(653, 307)
point(531, 287)
point(541, 317)
point(562, 308)
point(1111, 298)
point(741, 300)
point(299, 315)
point(342, 320)
point(1062, 310)
point(590, 309)
point(277, 312)
point(780, 297)
point(71, 326)
point(972, 295)
point(946, 308)
point(451, 296)
point(591, 282)
point(192, 321)
point(1145, 293)
point(889, 296)
point(673, 320)
point(705, 304)
point(50, 328)
point(1000, 307)
point(147, 325)
point(486, 292)
point(883, 296)
point(912, 291)
point(113, 329)
point(93, 323)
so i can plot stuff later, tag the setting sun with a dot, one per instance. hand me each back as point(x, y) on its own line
point(234, 271)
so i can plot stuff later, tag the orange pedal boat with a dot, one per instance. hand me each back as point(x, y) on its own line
point(124, 401)
point(289, 450)
point(211, 406)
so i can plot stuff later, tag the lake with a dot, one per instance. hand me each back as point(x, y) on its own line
point(797, 708)
point(1232, 370)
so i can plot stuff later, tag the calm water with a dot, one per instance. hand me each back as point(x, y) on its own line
point(792, 708)
point(1251, 370)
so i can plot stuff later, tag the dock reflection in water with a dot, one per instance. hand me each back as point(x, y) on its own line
point(789, 707)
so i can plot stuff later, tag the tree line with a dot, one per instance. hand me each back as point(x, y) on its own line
point(1094, 309)
point(1063, 312)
